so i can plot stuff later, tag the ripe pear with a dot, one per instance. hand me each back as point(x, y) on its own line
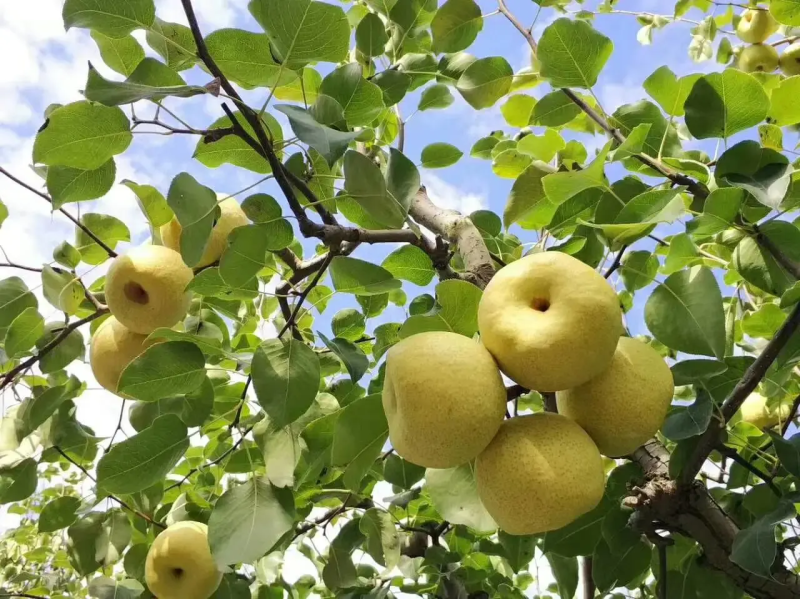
point(625, 405)
point(790, 60)
point(756, 25)
point(761, 58)
point(539, 473)
point(550, 321)
point(444, 399)
point(179, 564)
point(231, 216)
point(112, 348)
point(755, 411)
point(146, 288)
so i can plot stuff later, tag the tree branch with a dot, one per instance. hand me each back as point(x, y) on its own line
point(587, 580)
point(792, 415)
point(781, 258)
point(616, 263)
point(709, 440)
point(77, 223)
point(21, 267)
point(9, 377)
point(299, 304)
point(734, 455)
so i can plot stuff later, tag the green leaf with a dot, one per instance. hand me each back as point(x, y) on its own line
point(510, 164)
point(485, 81)
point(330, 143)
point(565, 571)
point(784, 110)
point(785, 11)
point(560, 187)
point(764, 322)
point(721, 104)
point(109, 17)
point(58, 513)
point(788, 451)
point(401, 473)
point(394, 85)
point(410, 263)
point(247, 520)
point(121, 54)
point(286, 377)
point(66, 184)
point(364, 182)
point(668, 90)
point(192, 408)
point(82, 135)
point(71, 348)
point(457, 313)
point(720, 209)
point(174, 43)
point(542, 147)
point(361, 100)
point(18, 482)
point(572, 53)
point(684, 422)
point(151, 202)
point(454, 494)
point(518, 109)
point(350, 354)
point(115, 93)
point(456, 25)
point(25, 329)
point(519, 549)
point(154, 73)
point(195, 207)
point(402, 179)
point(638, 270)
point(348, 324)
point(145, 458)
point(580, 537)
point(383, 542)
point(164, 370)
point(358, 437)
point(682, 253)
point(351, 275)
point(685, 313)
point(248, 250)
point(554, 109)
point(661, 139)
point(527, 201)
point(246, 59)
point(754, 547)
point(103, 587)
point(691, 371)
point(435, 96)
point(232, 149)
point(109, 229)
point(440, 155)
point(371, 35)
point(758, 267)
point(302, 31)
point(62, 289)
point(633, 143)
point(768, 185)
point(610, 570)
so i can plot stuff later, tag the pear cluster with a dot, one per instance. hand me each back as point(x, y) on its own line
point(550, 323)
point(756, 25)
point(145, 290)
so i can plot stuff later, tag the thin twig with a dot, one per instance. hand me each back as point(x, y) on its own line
point(299, 304)
point(792, 415)
point(587, 578)
point(77, 223)
point(118, 427)
point(616, 263)
point(21, 267)
point(734, 455)
point(662, 570)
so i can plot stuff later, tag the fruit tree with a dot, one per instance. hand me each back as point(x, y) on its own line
point(323, 381)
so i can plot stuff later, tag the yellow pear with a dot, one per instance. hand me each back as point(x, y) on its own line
point(113, 347)
point(231, 216)
point(179, 564)
point(146, 288)
point(760, 58)
point(756, 25)
point(444, 399)
point(755, 411)
point(539, 473)
point(625, 405)
point(550, 321)
point(790, 60)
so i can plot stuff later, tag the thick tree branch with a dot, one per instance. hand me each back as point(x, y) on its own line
point(709, 440)
point(77, 223)
point(9, 377)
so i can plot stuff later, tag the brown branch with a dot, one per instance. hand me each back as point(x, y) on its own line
point(118, 427)
point(709, 440)
point(122, 503)
point(77, 223)
point(299, 304)
point(792, 415)
point(20, 266)
point(587, 579)
point(662, 570)
point(731, 453)
point(616, 263)
point(49, 347)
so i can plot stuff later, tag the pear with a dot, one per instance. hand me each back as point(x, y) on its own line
point(756, 25)
point(626, 404)
point(231, 216)
point(790, 60)
point(550, 321)
point(755, 411)
point(539, 473)
point(112, 348)
point(146, 288)
point(761, 58)
point(444, 399)
point(179, 564)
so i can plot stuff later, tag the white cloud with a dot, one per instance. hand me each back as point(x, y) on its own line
point(447, 195)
